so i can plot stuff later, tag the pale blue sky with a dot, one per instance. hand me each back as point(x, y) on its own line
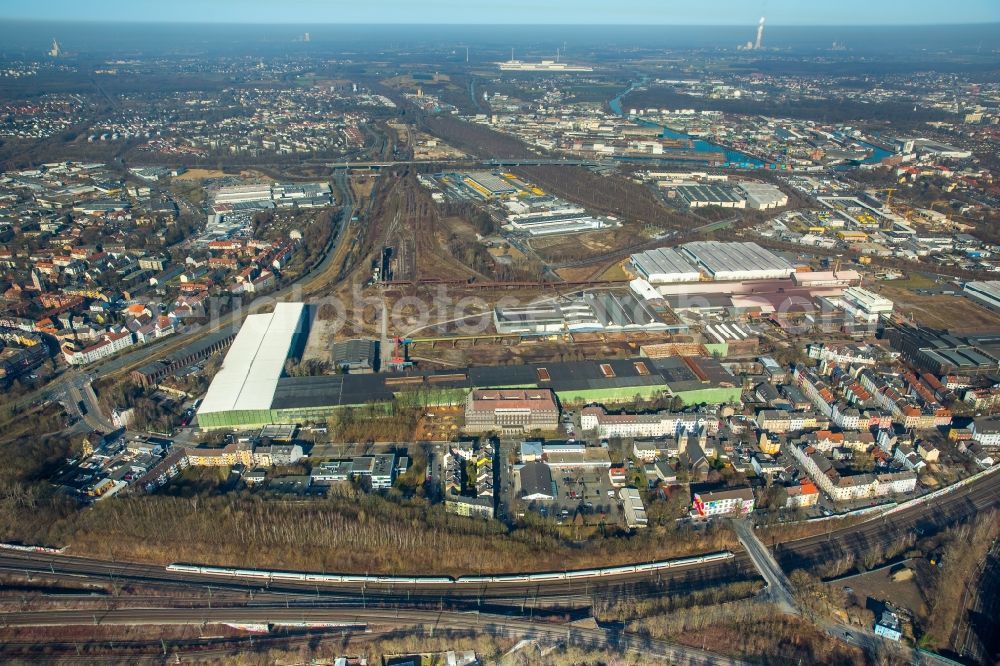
point(631, 12)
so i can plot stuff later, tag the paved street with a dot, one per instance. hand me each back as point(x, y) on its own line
point(778, 586)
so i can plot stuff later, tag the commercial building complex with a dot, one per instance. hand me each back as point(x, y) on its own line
point(380, 470)
point(758, 196)
point(549, 66)
point(664, 265)
point(251, 389)
point(248, 380)
point(763, 196)
point(488, 184)
point(987, 293)
point(535, 480)
point(736, 261)
point(553, 219)
point(699, 379)
point(863, 304)
point(713, 259)
point(600, 311)
point(271, 195)
point(150, 374)
point(355, 355)
point(703, 196)
point(510, 411)
point(942, 353)
point(635, 512)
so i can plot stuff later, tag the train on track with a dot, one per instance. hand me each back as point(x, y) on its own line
point(32, 549)
point(301, 576)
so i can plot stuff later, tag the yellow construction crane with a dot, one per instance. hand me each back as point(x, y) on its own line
point(889, 191)
point(888, 197)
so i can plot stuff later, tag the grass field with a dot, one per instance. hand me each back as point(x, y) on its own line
point(615, 272)
point(200, 174)
point(914, 281)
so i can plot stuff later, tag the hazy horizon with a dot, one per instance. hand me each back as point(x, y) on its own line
point(25, 38)
point(288, 24)
point(516, 12)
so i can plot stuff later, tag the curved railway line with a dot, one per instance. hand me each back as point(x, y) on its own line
point(499, 625)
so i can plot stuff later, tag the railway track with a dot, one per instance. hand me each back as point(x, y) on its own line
point(159, 651)
point(500, 625)
point(537, 593)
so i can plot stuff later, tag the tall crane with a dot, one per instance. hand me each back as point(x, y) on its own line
point(889, 191)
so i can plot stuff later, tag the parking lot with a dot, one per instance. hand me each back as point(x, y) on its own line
point(587, 490)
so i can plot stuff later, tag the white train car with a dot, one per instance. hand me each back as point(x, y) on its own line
point(447, 580)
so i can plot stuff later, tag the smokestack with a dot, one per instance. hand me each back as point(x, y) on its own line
point(760, 33)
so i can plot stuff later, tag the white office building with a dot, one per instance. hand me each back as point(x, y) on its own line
point(863, 304)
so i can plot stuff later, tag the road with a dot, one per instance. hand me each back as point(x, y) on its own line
point(340, 601)
point(428, 620)
point(779, 588)
point(923, 517)
point(781, 592)
point(876, 645)
point(70, 380)
point(980, 495)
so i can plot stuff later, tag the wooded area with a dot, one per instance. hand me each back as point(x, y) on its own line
point(750, 629)
point(348, 531)
point(474, 139)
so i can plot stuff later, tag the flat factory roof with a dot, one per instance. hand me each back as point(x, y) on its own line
point(331, 390)
point(718, 257)
point(250, 372)
point(665, 260)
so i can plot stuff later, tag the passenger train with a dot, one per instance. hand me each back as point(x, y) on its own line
point(300, 576)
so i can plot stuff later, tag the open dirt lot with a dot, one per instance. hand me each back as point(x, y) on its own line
point(880, 586)
point(459, 353)
point(955, 313)
point(583, 245)
point(439, 424)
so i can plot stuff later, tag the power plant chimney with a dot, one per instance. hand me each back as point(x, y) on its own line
point(760, 34)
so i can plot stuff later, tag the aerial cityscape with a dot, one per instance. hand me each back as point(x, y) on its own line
point(437, 333)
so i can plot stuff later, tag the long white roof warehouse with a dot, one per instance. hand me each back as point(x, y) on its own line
point(255, 361)
point(737, 261)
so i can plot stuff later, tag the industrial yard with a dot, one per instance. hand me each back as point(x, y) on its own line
point(695, 331)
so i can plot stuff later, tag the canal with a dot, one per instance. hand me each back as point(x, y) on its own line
point(734, 159)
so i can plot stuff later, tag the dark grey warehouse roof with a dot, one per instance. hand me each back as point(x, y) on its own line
point(354, 352)
point(536, 479)
point(306, 392)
